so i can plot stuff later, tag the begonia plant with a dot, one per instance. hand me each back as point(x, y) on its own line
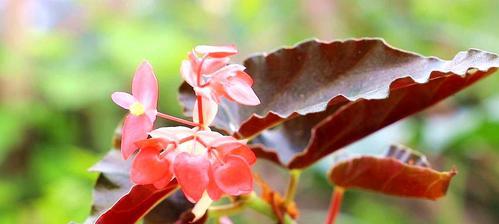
point(292, 107)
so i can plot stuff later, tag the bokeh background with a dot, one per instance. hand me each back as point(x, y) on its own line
point(61, 59)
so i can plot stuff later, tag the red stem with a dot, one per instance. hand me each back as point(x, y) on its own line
point(203, 143)
point(334, 207)
point(176, 119)
point(200, 111)
point(200, 98)
point(198, 72)
point(186, 139)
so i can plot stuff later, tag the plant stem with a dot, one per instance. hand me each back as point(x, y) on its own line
point(288, 219)
point(176, 119)
point(292, 186)
point(226, 210)
point(199, 97)
point(334, 207)
point(251, 201)
point(200, 112)
point(186, 139)
point(261, 206)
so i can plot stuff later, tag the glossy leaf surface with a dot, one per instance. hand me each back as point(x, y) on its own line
point(319, 97)
point(135, 204)
point(401, 172)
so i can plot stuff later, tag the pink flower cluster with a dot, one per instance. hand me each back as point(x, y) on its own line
point(205, 163)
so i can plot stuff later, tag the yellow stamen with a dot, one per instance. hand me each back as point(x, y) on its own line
point(137, 109)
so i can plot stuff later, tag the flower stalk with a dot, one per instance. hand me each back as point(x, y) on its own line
point(178, 120)
point(227, 209)
point(199, 97)
point(334, 207)
point(200, 112)
point(251, 200)
point(292, 186)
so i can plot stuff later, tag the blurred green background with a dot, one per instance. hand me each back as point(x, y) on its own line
point(61, 59)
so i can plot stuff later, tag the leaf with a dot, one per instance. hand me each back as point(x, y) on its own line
point(175, 209)
point(117, 200)
point(318, 97)
point(107, 191)
point(401, 172)
point(136, 203)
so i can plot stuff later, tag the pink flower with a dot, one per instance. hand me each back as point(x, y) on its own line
point(142, 106)
point(148, 166)
point(212, 78)
point(205, 164)
point(234, 84)
point(201, 161)
point(216, 51)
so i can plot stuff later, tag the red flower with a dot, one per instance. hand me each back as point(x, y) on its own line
point(212, 78)
point(216, 51)
point(142, 107)
point(149, 166)
point(201, 161)
point(205, 164)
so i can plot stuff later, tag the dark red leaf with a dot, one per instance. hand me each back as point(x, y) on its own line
point(135, 204)
point(320, 97)
point(401, 172)
point(175, 209)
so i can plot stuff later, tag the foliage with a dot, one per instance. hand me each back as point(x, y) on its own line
point(315, 97)
point(59, 65)
point(317, 90)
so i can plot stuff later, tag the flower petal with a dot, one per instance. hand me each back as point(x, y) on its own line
point(213, 190)
point(233, 83)
point(210, 109)
point(187, 73)
point(211, 65)
point(222, 140)
point(145, 86)
point(123, 99)
point(170, 156)
point(151, 114)
point(173, 134)
point(157, 143)
point(239, 149)
point(239, 90)
point(216, 51)
point(234, 176)
point(135, 128)
point(192, 174)
point(228, 145)
point(164, 181)
point(228, 71)
point(246, 153)
point(209, 135)
point(201, 206)
point(149, 168)
point(210, 92)
point(189, 68)
point(245, 77)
